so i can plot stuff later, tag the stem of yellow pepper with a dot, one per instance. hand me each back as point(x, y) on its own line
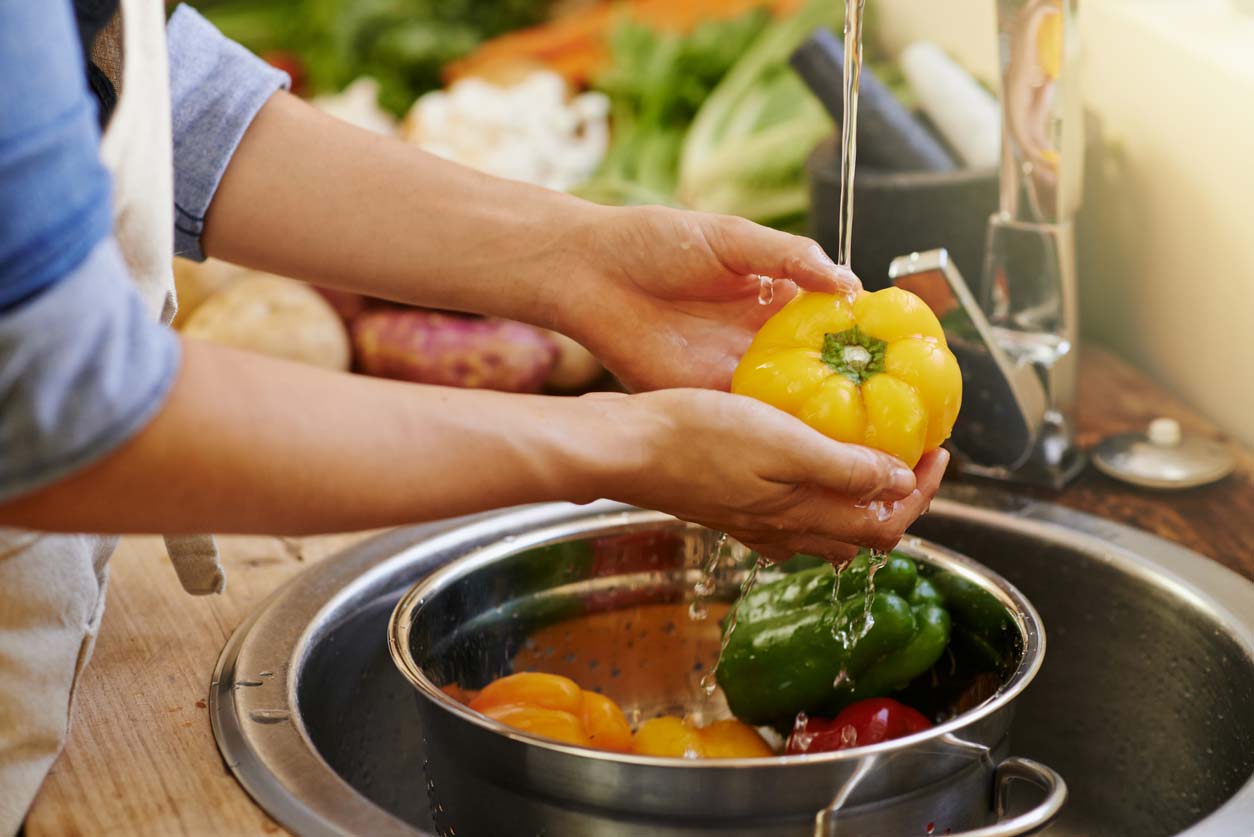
point(854, 354)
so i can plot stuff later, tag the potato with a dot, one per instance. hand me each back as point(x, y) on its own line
point(433, 348)
point(346, 303)
point(273, 316)
point(576, 367)
point(195, 282)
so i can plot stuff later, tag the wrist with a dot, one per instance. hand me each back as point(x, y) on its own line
point(602, 448)
point(570, 282)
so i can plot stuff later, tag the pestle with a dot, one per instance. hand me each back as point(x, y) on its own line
point(889, 137)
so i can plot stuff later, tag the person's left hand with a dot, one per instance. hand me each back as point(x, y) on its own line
point(674, 299)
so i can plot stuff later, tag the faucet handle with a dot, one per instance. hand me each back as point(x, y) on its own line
point(1004, 402)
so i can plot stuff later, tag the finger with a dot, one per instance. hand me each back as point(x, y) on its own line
point(929, 471)
point(831, 518)
point(885, 524)
point(850, 470)
point(773, 552)
point(833, 551)
point(748, 248)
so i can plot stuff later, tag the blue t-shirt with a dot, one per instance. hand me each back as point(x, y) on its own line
point(82, 366)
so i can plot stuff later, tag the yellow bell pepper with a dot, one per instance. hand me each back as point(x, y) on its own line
point(873, 372)
point(675, 738)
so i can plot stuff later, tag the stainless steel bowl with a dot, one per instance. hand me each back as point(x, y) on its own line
point(550, 599)
point(1143, 703)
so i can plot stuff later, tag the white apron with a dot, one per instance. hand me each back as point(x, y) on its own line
point(52, 587)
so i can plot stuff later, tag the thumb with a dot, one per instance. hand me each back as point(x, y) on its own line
point(747, 248)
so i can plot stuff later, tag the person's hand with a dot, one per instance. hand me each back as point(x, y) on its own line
point(738, 466)
point(673, 298)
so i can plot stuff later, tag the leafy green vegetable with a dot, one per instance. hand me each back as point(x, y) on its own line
point(614, 191)
point(401, 43)
point(717, 119)
point(745, 153)
point(656, 82)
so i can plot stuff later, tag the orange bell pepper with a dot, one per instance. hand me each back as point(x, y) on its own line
point(555, 707)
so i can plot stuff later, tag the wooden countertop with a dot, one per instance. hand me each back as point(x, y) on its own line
point(141, 758)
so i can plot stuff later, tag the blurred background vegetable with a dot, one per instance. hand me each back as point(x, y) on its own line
point(534, 130)
point(576, 43)
point(657, 80)
point(403, 44)
point(273, 316)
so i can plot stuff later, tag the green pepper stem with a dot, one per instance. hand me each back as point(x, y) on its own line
point(854, 354)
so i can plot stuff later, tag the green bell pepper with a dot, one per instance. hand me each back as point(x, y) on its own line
point(794, 637)
point(982, 626)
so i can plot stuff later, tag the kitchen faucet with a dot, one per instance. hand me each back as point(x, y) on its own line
point(1015, 335)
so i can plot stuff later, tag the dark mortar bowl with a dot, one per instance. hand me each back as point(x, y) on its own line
point(897, 213)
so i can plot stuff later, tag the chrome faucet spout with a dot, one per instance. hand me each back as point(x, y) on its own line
point(1025, 306)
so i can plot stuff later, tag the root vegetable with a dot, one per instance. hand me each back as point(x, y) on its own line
point(576, 367)
point(432, 348)
point(195, 282)
point(273, 316)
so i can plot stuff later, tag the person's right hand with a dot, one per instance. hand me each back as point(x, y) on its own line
point(739, 466)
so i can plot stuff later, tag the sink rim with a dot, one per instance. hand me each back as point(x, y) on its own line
point(280, 767)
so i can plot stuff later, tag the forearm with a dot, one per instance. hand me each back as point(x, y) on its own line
point(308, 196)
point(248, 444)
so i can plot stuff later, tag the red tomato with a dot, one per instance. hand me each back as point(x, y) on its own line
point(858, 725)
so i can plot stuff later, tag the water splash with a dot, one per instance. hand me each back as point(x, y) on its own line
point(707, 550)
point(766, 290)
point(709, 682)
point(849, 128)
point(801, 737)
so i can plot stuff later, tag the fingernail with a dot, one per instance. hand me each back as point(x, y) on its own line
point(846, 278)
point(820, 256)
point(901, 482)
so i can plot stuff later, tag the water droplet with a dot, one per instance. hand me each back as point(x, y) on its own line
point(269, 716)
point(883, 511)
point(766, 290)
point(266, 674)
point(241, 684)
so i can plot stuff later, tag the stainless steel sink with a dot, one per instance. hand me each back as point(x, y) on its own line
point(1145, 703)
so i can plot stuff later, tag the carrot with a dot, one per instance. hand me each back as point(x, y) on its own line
point(569, 33)
point(574, 45)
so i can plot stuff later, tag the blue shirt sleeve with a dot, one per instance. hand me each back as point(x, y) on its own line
point(216, 89)
point(54, 191)
point(82, 366)
point(84, 369)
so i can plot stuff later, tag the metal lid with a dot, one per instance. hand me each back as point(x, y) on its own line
point(1163, 458)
